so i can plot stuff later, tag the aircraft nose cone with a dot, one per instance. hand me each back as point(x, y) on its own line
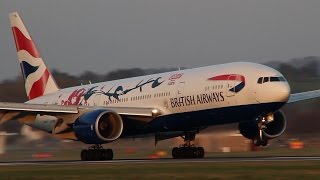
point(274, 92)
point(283, 92)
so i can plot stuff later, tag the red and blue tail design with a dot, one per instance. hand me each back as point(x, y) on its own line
point(38, 79)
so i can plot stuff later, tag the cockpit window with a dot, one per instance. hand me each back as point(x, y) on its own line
point(271, 79)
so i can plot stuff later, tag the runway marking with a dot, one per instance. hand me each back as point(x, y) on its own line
point(167, 161)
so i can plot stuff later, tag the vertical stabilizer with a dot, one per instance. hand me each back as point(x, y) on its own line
point(38, 79)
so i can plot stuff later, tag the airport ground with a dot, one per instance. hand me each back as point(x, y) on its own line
point(140, 159)
point(274, 163)
point(299, 169)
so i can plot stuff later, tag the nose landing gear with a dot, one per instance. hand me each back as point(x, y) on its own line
point(188, 150)
point(260, 140)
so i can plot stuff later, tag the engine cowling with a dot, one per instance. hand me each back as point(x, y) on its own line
point(275, 126)
point(98, 126)
point(249, 129)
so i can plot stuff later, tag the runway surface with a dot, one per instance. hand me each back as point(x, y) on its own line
point(167, 161)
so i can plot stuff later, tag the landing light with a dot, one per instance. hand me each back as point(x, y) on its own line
point(270, 117)
point(155, 112)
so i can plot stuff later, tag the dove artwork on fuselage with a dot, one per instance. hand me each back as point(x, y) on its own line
point(114, 94)
point(173, 104)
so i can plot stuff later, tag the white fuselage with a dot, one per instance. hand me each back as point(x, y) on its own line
point(180, 91)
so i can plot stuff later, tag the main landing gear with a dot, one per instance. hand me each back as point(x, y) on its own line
point(188, 150)
point(96, 153)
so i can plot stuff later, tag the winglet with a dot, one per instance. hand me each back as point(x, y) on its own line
point(38, 79)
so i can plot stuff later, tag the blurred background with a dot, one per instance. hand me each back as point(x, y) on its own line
point(302, 136)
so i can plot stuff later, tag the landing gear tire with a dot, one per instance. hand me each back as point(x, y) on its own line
point(200, 151)
point(187, 152)
point(84, 155)
point(257, 141)
point(264, 142)
point(175, 152)
point(109, 154)
point(104, 154)
point(90, 155)
point(96, 153)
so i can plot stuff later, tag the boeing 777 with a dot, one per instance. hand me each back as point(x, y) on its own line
point(167, 105)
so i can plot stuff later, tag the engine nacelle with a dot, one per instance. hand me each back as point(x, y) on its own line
point(249, 129)
point(275, 126)
point(98, 126)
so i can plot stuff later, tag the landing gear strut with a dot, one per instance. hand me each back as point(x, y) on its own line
point(260, 140)
point(188, 150)
point(96, 153)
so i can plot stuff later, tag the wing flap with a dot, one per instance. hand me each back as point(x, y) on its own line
point(27, 112)
point(38, 108)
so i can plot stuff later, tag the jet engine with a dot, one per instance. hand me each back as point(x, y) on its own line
point(272, 126)
point(98, 126)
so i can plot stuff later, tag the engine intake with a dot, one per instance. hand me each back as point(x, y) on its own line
point(276, 127)
point(273, 129)
point(98, 126)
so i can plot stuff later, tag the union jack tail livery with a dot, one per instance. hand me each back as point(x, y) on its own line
point(38, 79)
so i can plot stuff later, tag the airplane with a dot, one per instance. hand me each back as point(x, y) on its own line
point(180, 103)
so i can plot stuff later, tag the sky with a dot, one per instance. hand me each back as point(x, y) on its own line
point(74, 36)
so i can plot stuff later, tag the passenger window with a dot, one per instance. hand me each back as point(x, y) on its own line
point(265, 79)
point(260, 80)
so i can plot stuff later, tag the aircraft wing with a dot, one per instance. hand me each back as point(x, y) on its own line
point(304, 96)
point(26, 111)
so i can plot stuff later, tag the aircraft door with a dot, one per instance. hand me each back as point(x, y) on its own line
point(230, 86)
point(180, 89)
point(180, 92)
